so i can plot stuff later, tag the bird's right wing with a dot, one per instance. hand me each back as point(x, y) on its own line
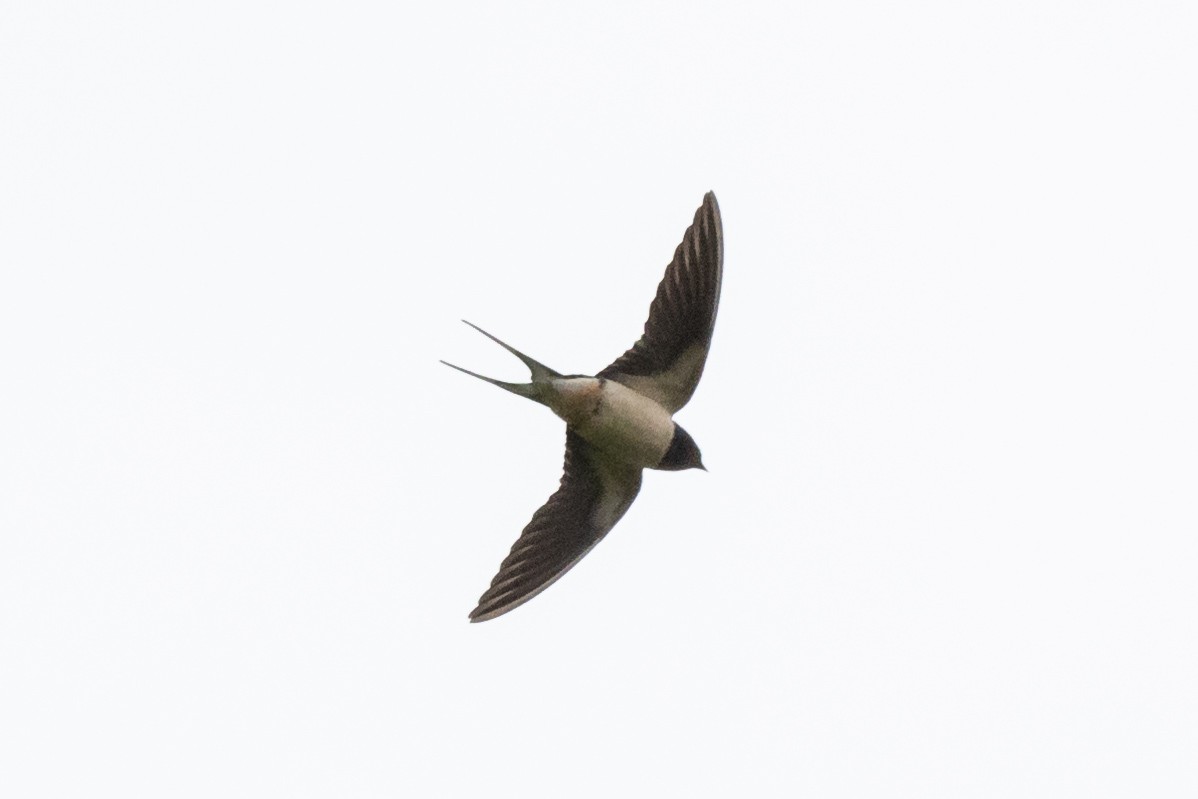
point(594, 493)
point(667, 361)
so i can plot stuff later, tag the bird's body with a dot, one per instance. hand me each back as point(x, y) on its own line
point(618, 422)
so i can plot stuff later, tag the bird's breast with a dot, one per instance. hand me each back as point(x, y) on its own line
point(621, 422)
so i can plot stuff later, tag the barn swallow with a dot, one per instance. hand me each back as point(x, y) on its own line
point(618, 422)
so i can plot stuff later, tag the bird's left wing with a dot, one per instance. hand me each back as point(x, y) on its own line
point(595, 492)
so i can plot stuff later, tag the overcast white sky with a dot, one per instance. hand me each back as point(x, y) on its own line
point(947, 545)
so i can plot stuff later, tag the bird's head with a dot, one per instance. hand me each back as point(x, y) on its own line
point(683, 453)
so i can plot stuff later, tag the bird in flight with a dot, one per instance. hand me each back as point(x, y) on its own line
point(618, 422)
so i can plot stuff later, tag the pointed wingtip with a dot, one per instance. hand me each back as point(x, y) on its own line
point(479, 615)
point(709, 202)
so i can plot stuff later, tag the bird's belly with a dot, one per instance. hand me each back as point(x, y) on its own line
point(628, 426)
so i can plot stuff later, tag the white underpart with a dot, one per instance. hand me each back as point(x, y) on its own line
point(618, 421)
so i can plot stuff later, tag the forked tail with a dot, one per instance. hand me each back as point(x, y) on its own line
point(541, 373)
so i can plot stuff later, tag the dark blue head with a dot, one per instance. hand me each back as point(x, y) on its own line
point(682, 454)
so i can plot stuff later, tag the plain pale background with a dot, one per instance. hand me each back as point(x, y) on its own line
point(947, 544)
